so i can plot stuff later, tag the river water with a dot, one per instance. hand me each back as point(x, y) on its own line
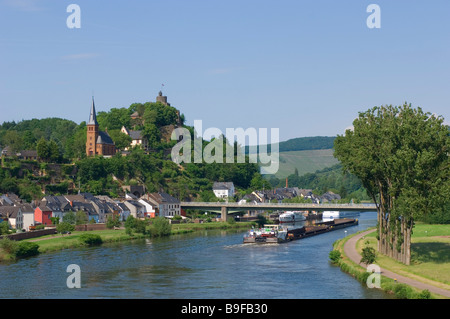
point(206, 265)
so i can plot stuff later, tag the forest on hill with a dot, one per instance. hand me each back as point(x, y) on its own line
point(63, 167)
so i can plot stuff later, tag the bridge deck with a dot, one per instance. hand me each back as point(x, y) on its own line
point(279, 206)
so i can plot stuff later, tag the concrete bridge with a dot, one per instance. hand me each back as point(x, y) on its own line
point(229, 208)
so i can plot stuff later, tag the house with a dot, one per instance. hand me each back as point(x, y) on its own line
point(58, 205)
point(223, 189)
point(137, 210)
point(28, 216)
point(113, 208)
point(87, 208)
point(150, 208)
point(42, 214)
point(13, 215)
point(165, 205)
point(124, 211)
point(137, 138)
point(30, 155)
point(10, 199)
point(329, 197)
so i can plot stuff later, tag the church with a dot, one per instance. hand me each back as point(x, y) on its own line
point(98, 142)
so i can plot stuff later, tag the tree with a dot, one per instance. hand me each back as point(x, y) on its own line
point(400, 154)
point(81, 217)
point(13, 140)
point(112, 222)
point(64, 227)
point(42, 149)
point(70, 218)
point(161, 227)
point(368, 255)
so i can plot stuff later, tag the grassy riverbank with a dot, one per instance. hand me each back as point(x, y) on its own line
point(430, 261)
point(57, 242)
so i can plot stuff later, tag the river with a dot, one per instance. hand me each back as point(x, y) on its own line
point(204, 265)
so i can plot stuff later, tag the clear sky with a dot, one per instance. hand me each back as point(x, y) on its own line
point(305, 67)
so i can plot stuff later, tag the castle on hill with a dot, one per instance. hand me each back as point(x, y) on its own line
point(100, 143)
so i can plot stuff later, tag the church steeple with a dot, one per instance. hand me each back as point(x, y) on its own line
point(93, 116)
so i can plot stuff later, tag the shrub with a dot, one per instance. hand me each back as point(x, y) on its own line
point(424, 294)
point(402, 291)
point(27, 249)
point(335, 256)
point(64, 227)
point(8, 245)
point(161, 227)
point(368, 255)
point(91, 239)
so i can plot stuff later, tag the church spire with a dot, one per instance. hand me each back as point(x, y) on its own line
point(93, 116)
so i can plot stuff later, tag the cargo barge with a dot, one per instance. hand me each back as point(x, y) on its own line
point(277, 234)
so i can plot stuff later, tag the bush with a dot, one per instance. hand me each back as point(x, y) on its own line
point(64, 227)
point(424, 294)
point(8, 245)
point(91, 239)
point(27, 249)
point(402, 291)
point(161, 227)
point(368, 255)
point(335, 256)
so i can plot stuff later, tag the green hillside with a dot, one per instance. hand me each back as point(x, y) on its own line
point(307, 161)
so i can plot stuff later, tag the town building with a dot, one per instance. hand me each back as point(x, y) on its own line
point(98, 142)
point(223, 189)
point(165, 205)
point(137, 138)
point(12, 215)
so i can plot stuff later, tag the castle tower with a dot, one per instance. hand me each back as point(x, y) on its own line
point(92, 132)
point(162, 98)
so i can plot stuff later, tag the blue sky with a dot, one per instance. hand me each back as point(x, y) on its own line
point(305, 67)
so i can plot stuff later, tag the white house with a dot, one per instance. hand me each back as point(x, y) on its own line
point(223, 189)
point(137, 138)
point(28, 216)
point(150, 208)
point(13, 215)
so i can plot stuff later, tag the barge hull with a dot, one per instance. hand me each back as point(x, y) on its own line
point(305, 231)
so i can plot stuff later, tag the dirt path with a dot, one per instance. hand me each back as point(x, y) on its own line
point(351, 252)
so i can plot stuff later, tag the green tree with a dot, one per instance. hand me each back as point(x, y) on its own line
point(121, 140)
point(70, 218)
point(4, 228)
point(81, 217)
point(400, 154)
point(161, 227)
point(112, 222)
point(43, 150)
point(368, 255)
point(64, 227)
point(13, 140)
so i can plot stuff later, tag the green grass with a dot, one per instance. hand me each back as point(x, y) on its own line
point(305, 161)
point(56, 242)
point(430, 255)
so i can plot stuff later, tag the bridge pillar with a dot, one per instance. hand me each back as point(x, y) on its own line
point(224, 213)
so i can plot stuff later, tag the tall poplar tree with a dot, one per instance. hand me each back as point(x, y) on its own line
point(401, 156)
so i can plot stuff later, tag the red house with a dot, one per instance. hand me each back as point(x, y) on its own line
point(42, 215)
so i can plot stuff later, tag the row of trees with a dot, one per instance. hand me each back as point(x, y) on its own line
point(401, 156)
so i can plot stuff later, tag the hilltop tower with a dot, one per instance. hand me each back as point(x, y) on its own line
point(162, 98)
point(97, 142)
